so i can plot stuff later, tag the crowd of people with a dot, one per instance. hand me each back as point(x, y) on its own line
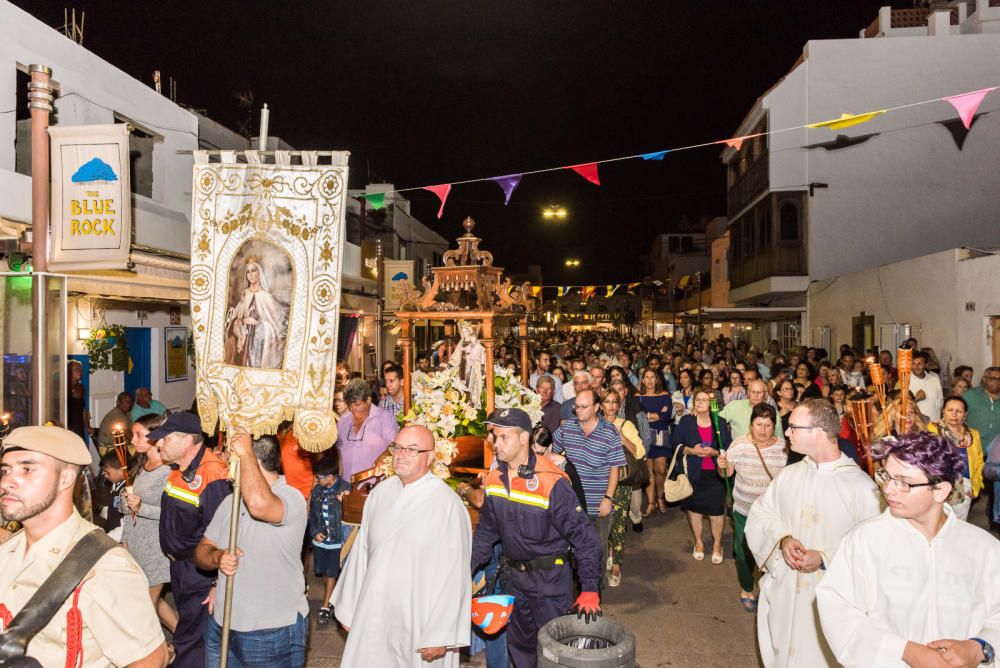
point(762, 445)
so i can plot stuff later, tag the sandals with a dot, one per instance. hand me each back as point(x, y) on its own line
point(698, 556)
point(323, 617)
point(650, 507)
point(749, 603)
point(662, 505)
point(716, 558)
point(614, 579)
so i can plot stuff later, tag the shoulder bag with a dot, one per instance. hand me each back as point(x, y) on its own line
point(679, 488)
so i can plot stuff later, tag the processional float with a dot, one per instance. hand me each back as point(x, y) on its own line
point(467, 292)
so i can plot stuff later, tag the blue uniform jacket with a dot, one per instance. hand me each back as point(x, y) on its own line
point(536, 517)
point(187, 506)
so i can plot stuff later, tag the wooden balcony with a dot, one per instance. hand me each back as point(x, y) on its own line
point(747, 186)
point(785, 259)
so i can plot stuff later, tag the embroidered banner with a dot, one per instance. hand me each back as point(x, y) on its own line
point(267, 244)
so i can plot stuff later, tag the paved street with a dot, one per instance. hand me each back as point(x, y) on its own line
point(683, 613)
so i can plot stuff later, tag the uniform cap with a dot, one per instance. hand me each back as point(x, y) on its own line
point(56, 442)
point(510, 417)
point(184, 422)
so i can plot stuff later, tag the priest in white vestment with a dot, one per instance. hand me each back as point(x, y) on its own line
point(794, 529)
point(405, 594)
point(916, 585)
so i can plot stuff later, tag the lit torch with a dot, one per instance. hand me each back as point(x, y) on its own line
point(904, 363)
point(877, 374)
point(121, 449)
point(861, 415)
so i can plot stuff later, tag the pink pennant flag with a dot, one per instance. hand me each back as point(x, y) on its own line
point(967, 104)
point(588, 171)
point(442, 192)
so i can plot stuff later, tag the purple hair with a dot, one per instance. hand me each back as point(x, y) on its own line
point(933, 454)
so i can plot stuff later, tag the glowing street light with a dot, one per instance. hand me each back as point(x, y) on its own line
point(572, 262)
point(554, 212)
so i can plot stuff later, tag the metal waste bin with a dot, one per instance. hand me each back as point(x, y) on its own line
point(571, 642)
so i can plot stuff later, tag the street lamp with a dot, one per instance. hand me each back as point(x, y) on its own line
point(572, 262)
point(554, 212)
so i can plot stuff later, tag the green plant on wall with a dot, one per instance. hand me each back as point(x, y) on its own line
point(106, 348)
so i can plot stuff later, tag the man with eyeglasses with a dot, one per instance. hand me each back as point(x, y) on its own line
point(405, 594)
point(364, 431)
point(916, 585)
point(793, 530)
point(984, 406)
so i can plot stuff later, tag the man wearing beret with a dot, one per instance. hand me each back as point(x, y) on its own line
point(38, 470)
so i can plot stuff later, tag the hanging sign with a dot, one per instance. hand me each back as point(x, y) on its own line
point(394, 271)
point(91, 208)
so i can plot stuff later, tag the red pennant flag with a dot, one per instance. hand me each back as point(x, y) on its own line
point(588, 291)
point(967, 104)
point(631, 288)
point(588, 171)
point(442, 193)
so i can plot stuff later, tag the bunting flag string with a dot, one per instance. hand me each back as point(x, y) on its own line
point(611, 289)
point(631, 287)
point(588, 292)
point(966, 104)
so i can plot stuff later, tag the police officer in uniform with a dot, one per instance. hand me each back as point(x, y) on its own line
point(195, 487)
point(531, 508)
point(109, 619)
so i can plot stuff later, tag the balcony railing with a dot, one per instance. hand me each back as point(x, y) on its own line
point(786, 259)
point(748, 185)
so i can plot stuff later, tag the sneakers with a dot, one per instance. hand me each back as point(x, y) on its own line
point(323, 617)
point(637, 527)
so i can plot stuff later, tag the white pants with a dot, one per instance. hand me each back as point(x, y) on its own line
point(636, 503)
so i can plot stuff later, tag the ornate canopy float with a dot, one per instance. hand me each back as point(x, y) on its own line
point(474, 300)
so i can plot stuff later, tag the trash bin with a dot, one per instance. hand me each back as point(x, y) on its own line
point(571, 642)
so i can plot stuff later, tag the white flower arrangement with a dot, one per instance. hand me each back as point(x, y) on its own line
point(440, 402)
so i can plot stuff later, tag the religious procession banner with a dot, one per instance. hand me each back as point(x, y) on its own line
point(266, 255)
point(91, 209)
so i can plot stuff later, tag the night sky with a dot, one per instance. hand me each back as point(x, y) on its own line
point(424, 92)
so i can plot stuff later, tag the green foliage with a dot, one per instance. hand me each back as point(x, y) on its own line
point(106, 348)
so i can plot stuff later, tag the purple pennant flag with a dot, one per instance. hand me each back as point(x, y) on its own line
point(508, 184)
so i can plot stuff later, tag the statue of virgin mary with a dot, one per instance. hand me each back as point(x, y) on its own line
point(470, 358)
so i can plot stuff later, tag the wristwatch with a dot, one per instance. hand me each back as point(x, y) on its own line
point(609, 498)
point(988, 652)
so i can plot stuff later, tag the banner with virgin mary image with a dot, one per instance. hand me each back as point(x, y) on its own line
point(266, 253)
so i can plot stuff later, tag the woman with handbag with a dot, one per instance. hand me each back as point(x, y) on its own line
point(655, 401)
point(699, 445)
point(755, 459)
point(628, 478)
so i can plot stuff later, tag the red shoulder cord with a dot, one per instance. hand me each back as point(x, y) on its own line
point(74, 633)
point(5, 617)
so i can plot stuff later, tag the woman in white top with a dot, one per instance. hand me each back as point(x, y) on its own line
point(682, 397)
point(755, 459)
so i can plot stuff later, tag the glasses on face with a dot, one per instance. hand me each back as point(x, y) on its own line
point(405, 450)
point(804, 427)
point(883, 478)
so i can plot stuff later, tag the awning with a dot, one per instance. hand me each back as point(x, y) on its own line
point(154, 278)
point(746, 313)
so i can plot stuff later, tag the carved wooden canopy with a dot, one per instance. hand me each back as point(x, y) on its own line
point(467, 281)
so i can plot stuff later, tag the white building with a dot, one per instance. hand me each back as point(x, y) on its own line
point(813, 204)
point(152, 293)
point(949, 301)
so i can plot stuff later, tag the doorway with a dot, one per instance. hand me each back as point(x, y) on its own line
point(139, 372)
point(863, 332)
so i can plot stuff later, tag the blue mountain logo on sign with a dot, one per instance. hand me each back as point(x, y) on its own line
point(94, 170)
point(400, 276)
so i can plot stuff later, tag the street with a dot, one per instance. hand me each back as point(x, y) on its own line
point(682, 612)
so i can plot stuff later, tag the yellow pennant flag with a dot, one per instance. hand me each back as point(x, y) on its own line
point(847, 120)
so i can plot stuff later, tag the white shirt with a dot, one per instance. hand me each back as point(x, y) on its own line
point(933, 400)
point(888, 585)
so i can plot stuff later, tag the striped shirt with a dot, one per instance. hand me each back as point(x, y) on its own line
point(751, 479)
point(593, 456)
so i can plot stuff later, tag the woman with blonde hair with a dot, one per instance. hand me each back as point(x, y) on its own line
point(914, 423)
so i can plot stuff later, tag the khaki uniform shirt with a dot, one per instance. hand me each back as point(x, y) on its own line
point(119, 623)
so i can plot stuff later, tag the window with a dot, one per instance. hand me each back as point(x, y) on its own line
point(788, 216)
point(141, 142)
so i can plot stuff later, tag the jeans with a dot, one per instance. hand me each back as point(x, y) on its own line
point(283, 647)
point(745, 563)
